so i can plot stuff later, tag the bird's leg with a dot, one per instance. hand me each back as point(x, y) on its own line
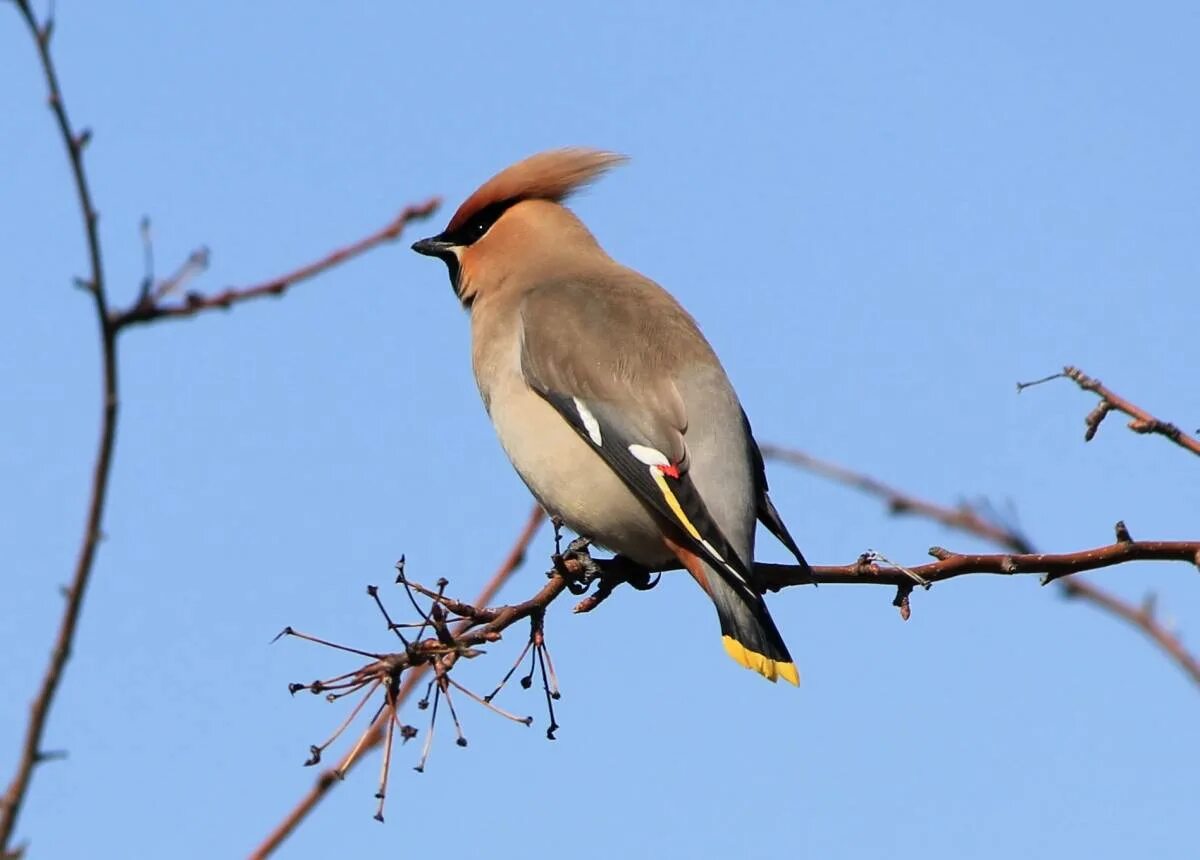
point(557, 522)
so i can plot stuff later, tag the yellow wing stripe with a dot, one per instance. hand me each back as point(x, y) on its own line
point(673, 503)
point(677, 510)
point(765, 666)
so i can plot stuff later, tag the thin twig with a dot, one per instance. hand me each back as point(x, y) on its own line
point(327, 779)
point(196, 303)
point(1140, 421)
point(964, 518)
point(31, 746)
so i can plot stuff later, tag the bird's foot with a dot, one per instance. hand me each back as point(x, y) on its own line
point(577, 566)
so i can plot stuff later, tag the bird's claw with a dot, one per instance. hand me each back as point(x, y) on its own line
point(585, 568)
point(644, 581)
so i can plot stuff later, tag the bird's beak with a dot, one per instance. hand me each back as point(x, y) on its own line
point(433, 247)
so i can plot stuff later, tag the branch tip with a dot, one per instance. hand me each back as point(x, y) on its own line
point(1021, 386)
point(1140, 421)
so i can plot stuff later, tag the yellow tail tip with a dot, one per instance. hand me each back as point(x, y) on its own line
point(765, 666)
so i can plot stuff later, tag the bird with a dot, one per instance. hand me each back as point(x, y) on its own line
point(606, 397)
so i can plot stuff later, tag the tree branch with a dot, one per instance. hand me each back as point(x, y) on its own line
point(949, 565)
point(1140, 421)
point(970, 520)
point(39, 711)
point(479, 625)
point(150, 309)
point(965, 517)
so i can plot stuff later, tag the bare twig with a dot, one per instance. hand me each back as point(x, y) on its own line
point(375, 735)
point(151, 309)
point(31, 746)
point(1140, 421)
point(965, 517)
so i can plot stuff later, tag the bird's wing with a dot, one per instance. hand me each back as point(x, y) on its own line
point(594, 355)
point(764, 507)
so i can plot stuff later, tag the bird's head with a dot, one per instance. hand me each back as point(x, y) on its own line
point(515, 224)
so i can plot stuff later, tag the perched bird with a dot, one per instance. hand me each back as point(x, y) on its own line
point(606, 397)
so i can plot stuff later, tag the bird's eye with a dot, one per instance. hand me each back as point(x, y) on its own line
point(474, 229)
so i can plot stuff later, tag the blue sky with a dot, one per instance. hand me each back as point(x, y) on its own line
point(882, 217)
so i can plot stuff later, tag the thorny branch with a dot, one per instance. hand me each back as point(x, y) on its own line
point(971, 519)
point(148, 307)
point(1140, 421)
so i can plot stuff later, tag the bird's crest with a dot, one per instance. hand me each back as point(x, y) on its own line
point(551, 175)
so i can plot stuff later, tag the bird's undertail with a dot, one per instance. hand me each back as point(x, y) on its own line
point(748, 632)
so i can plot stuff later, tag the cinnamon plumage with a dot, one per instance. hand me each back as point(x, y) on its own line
point(606, 397)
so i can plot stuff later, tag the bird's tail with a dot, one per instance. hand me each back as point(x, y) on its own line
point(747, 630)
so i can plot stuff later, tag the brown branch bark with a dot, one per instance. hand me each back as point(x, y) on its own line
point(970, 520)
point(39, 711)
point(150, 309)
point(965, 518)
point(507, 615)
point(949, 565)
point(1140, 421)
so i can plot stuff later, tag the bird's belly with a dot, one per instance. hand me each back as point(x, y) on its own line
point(571, 480)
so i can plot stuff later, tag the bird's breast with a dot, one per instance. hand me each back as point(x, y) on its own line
point(563, 472)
